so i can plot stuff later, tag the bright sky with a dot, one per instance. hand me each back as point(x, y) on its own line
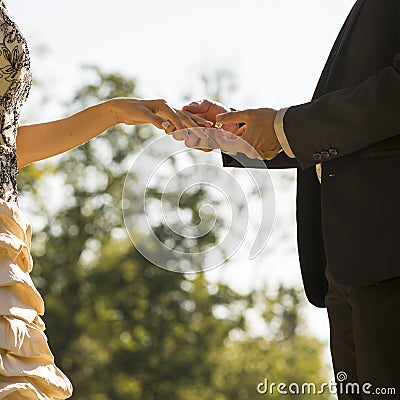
point(275, 48)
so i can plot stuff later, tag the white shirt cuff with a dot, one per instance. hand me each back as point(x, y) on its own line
point(280, 132)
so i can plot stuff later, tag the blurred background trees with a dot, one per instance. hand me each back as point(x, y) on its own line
point(123, 329)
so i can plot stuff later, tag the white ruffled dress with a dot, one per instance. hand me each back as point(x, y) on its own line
point(27, 369)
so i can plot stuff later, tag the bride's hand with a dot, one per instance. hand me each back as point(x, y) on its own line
point(158, 112)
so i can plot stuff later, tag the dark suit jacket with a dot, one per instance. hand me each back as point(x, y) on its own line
point(352, 220)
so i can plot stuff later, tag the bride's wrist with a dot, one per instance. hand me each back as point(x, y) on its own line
point(114, 109)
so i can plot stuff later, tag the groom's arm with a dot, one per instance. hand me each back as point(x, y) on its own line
point(346, 120)
point(337, 124)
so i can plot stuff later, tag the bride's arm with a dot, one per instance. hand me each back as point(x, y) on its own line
point(39, 141)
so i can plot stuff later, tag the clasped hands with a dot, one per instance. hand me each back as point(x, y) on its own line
point(250, 132)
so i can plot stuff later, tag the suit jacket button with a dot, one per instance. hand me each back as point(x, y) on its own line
point(317, 156)
point(333, 152)
point(325, 155)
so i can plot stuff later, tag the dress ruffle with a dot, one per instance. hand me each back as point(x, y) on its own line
point(27, 369)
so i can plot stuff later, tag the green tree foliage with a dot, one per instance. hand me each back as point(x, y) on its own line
point(123, 329)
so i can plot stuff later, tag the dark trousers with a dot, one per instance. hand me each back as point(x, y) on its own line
point(365, 338)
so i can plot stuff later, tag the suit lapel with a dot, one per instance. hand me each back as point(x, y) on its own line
point(342, 37)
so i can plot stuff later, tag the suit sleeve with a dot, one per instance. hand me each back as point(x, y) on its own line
point(346, 120)
point(281, 161)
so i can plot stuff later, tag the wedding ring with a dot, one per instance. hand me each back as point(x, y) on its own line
point(165, 125)
point(218, 125)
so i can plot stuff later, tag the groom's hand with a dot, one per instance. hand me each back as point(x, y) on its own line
point(256, 139)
